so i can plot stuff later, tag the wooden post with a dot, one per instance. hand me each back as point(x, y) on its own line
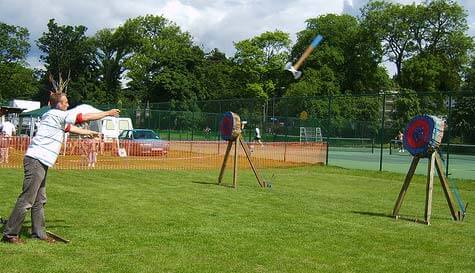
point(435, 162)
point(235, 164)
point(445, 186)
point(254, 169)
point(225, 160)
point(239, 139)
point(405, 186)
point(429, 188)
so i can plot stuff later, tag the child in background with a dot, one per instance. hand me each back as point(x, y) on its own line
point(3, 148)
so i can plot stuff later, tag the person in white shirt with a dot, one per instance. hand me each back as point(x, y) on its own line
point(42, 154)
point(8, 129)
point(257, 137)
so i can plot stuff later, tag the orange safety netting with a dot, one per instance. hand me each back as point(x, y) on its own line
point(169, 155)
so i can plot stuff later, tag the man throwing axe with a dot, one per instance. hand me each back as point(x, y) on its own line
point(42, 154)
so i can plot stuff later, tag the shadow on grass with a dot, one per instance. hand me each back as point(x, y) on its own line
point(373, 214)
point(407, 218)
point(212, 183)
point(25, 231)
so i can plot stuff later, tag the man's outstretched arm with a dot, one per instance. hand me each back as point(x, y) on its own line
point(96, 116)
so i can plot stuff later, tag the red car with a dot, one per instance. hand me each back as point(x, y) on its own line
point(143, 142)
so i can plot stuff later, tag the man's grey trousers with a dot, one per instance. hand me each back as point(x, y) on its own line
point(33, 196)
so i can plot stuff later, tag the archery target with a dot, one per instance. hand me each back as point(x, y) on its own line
point(423, 134)
point(230, 126)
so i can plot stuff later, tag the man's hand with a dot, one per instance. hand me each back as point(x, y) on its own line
point(113, 112)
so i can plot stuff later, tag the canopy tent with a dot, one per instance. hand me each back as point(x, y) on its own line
point(6, 110)
point(35, 113)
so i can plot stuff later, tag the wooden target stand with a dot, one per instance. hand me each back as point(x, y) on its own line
point(435, 163)
point(231, 128)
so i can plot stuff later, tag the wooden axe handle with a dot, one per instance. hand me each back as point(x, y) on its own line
point(307, 52)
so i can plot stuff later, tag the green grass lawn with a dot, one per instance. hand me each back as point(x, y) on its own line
point(313, 219)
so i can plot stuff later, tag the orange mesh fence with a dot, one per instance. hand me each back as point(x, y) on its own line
point(174, 155)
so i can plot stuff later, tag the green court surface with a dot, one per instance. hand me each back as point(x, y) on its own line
point(460, 166)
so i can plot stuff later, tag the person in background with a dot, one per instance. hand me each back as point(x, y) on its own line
point(257, 136)
point(7, 130)
point(4, 145)
point(399, 140)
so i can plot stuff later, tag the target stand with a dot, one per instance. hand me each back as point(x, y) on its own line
point(422, 137)
point(231, 129)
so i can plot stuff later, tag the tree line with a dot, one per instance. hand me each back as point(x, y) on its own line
point(149, 58)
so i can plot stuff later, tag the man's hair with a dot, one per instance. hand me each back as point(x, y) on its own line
point(58, 91)
point(55, 98)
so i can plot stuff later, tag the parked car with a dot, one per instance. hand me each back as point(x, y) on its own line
point(143, 142)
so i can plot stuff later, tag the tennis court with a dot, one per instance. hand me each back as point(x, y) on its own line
point(460, 166)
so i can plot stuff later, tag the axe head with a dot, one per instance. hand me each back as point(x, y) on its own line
point(294, 71)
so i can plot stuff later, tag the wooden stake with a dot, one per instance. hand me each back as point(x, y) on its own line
point(445, 186)
point(254, 169)
point(429, 188)
point(405, 186)
point(235, 164)
point(223, 166)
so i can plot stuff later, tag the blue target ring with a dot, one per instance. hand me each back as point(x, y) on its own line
point(422, 134)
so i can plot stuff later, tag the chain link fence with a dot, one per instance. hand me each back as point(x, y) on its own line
point(360, 130)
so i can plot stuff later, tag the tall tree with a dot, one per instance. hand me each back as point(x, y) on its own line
point(347, 49)
point(70, 53)
point(260, 61)
point(391, 24)
point(217, 76)
point(164, 65)
point(17, 80)
point(113, 47)
point(14, 43)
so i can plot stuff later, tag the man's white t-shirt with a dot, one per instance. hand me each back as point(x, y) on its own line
point(46, 144)
point(8, 128)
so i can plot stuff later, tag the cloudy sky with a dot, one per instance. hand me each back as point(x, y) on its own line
point(213, 24)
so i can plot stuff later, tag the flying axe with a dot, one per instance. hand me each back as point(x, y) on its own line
point(294, 68)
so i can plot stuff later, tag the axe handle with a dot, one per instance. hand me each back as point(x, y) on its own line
point(307, 52)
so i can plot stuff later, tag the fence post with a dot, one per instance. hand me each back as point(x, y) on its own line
point(192, 127)
point(329, 128)
point(382, 133)
point(372, 145)
point(169, 122)
point(449, 116)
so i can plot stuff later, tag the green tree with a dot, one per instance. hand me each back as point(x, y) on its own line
point(431, 32)
point(347, 49)
point(217, 76)
point(17, 81)
point(70, 53)
point(164, 65)
point(407, 106)
point(113, 47)
point(14, 45)
point(391, 24)
point(259, 64)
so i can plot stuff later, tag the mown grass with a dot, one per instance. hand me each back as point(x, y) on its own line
point(313, 219)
